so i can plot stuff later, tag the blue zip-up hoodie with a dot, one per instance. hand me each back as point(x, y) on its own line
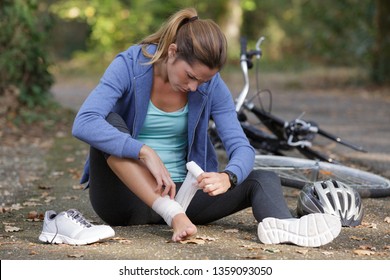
point(125, 89)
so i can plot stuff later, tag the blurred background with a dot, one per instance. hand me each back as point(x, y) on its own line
point(41, 42)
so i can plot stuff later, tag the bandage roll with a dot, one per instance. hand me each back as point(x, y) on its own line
point(194, 169)
point(189, 186)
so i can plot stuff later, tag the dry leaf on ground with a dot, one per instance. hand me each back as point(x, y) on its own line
point(31, 204)
point(367, 247)
point(233, 230)
point(357, 238)
point(76, 256)
point(121, 240)
point(360, 252)
point(367, 225)
point(16, 206)
point(272, 250)
point(193, 241)
point(77, 187)
point(302, 251)
point(9, 228)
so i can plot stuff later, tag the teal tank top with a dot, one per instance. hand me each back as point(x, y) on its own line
point(166, 133)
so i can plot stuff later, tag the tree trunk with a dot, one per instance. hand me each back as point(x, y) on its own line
point(381, 56)
point(231, 24)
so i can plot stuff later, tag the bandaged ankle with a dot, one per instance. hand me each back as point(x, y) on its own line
point(167, 208)
point(189, 186)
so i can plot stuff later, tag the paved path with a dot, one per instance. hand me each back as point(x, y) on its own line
point(361, 116)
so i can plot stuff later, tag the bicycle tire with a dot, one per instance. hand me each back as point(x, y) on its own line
point(296, 172)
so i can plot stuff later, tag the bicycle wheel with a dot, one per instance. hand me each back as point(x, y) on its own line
point(296, 172)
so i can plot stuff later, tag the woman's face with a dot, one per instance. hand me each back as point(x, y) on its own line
point(184, 77)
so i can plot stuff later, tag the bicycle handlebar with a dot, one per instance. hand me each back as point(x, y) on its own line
point(246, 64)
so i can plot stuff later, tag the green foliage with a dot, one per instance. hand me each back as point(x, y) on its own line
point(332, 32)
point(23, 60)
point(299, 33)
point(116, 24)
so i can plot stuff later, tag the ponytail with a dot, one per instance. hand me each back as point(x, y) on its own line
point(197, 40)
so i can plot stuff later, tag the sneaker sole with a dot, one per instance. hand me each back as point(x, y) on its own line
point(312, 230)
point(61, 239)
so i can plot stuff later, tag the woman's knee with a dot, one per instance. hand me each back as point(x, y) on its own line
point(264, 176)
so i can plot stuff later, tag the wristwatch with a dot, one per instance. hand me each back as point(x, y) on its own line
point(232, 178)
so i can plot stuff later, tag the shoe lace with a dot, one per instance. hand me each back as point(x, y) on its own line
point(78, 218)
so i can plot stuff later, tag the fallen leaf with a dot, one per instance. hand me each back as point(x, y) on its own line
point(57, 173)
point(250, 247)
point(206, 238)
point(31, 204)
point(34, 220)
point(259, 257)
point(121, 240)
point(387, 220)
point(367, 225)
point(77, 187)
point(193, 241)
point(387, 247)
point(230, 230)
point(75, 172)
point(48, 199)
point(272, 250)
point(44, 194)
point(71, 197)
point(75, 256)
point(11, 229)
point(60, 134)
point(16, 206)
point(69, 159)
point(327, 253)
point(43, 187)
point(363, 252)
point(32, 215)
point(367, 247)
point(302, 251)
point(357, 238)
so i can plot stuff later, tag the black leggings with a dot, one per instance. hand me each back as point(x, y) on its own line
point(118, 206)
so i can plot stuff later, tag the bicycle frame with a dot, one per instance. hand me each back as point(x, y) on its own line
point(297, 134)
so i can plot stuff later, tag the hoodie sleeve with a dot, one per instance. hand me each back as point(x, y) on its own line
point(90, 124)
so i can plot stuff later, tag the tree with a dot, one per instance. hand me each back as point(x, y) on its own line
point(23, 60)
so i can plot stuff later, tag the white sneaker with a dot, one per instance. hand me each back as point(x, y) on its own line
point(72, 228)
point(311, 230)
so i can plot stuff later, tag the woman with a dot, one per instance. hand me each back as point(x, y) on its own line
point(149, 116)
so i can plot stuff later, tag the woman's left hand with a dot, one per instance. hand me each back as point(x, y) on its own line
point(213, 183)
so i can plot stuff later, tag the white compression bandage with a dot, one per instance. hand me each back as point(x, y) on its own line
point(189, 186)
point(167, 208)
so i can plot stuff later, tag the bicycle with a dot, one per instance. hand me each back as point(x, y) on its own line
point(298, 134)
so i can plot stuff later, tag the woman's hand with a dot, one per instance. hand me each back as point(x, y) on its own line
point(153, 162)
point(213, 183)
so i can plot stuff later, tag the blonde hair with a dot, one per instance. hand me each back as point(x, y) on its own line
point(197, 40)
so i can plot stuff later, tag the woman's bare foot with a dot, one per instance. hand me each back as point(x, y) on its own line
point(182, 227)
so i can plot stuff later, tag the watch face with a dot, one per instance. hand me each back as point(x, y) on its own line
point(232, 178)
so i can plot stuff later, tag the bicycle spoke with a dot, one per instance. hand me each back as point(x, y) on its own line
point(294, 172)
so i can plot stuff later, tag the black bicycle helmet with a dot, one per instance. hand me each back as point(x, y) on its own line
point(331, 197)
